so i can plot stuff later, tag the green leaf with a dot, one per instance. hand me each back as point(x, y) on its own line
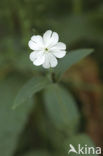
point(70, 59)
point(81, 139)
point(37, 153)
point(61, 108)
point(33, 86)
point(12, 122)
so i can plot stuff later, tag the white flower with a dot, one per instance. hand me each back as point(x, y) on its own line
point(46, 49)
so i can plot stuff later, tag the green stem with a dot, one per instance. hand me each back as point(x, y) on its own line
point(51, 75)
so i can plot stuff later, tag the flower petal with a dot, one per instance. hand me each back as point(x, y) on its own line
point(46, 64)
point(38, 40)
point(50, 61)
point(47, 36)
point(54, 39)
point(50, 38)
point(33, 45)
point(39, 61)
point(38, 58)
point(59, 46)
point(59, 54)
point(33, 56)
point(53, 61)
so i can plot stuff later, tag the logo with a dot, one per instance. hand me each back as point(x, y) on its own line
point(84, 149)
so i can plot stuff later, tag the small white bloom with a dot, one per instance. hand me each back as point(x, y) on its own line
point(46, 49)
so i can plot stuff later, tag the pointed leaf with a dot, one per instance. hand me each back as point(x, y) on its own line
point(61, 108)
point(33, 86)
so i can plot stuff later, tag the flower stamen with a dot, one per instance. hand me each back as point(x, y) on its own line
point(46, 49)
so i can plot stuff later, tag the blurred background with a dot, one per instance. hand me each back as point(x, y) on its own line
point(80, 25)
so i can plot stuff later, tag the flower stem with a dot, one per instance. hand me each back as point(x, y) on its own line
point(51, 75)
